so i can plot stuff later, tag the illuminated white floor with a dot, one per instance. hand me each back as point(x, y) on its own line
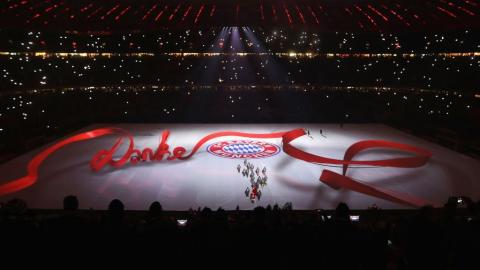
point(208, 180)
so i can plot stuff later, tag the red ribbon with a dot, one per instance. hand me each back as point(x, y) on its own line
point(334, 180)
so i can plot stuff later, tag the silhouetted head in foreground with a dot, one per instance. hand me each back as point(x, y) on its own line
point(155, 209)
point(116, 207)
point(16, 206)
point(70, 203)
point(342, 211)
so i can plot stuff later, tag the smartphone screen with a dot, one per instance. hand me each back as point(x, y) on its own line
point(181, 222)
point(354, 218)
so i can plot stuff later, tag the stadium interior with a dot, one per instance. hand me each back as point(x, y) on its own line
point(410, 65)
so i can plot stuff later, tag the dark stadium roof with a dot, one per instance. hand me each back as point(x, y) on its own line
point(326, 15)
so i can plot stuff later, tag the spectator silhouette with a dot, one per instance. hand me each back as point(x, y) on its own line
point(342, 240)
point(14, 221)
point(69, 224)
point(113, 221)
point(342, 212)
point(70, 203)
point(155, 210)
point(429, 239)
point(116, 210)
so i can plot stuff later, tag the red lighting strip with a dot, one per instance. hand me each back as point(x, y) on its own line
point(122, 13)
point(314, 15)
point(360, 24)
point(40, 13)
point(50, 8)
point(161, 13)
point(85, 8)
point(149, 12)
point(458, 7)
point(300, 14)
point(55, 11)
point(449, 13)
point(413, 15)
point(378, 13)
point(396, 15)
point(110, 12)
point(212, 11)
point(94, 12)
point(274, 13)
point(16, 5)
point(186, 12)
point(199, 13)
point(366, 15)
point(174, 12)
point(285, 9)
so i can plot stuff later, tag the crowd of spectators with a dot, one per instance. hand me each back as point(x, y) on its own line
point(443, 61)
point(425, 238)
point(428, 72)
point(250, 39)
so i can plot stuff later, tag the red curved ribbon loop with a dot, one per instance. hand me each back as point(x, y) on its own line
point(132, 155)
point(337, 181)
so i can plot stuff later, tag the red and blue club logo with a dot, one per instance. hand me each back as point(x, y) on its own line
point(243, 149)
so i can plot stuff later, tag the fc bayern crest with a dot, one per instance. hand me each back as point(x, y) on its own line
point(243, 149)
